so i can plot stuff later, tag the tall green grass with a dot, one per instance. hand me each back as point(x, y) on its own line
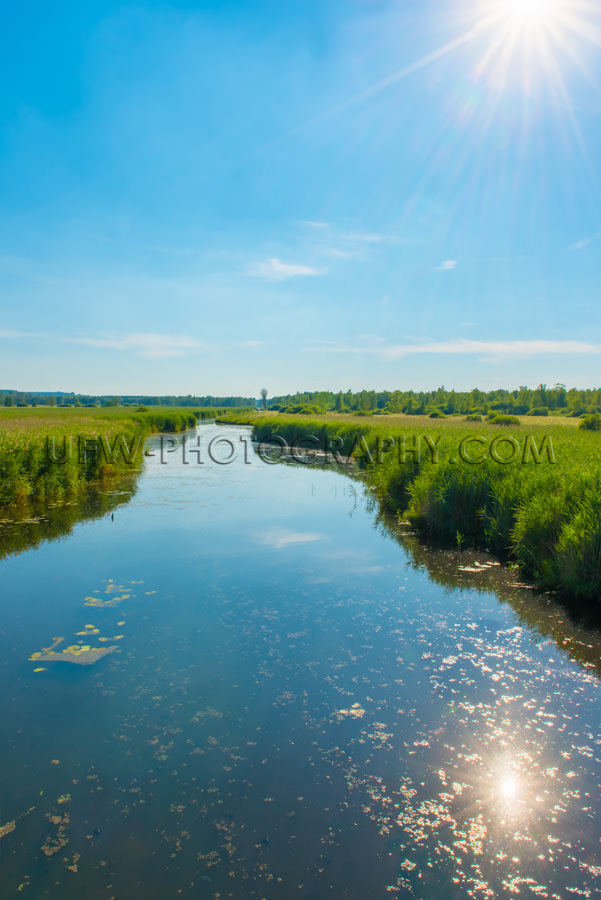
point(47, 454)
point(542, 513)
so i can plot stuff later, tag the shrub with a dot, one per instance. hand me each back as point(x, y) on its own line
point(591, 423)
point(538, 411)
point(304, 409)
point(473, 417)
point(504, 420)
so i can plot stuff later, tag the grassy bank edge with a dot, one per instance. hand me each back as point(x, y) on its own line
point(539, 512)
point(46, 455)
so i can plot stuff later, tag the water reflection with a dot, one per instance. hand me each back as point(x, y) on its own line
point(573, 627)
point(294, 708)
point(31, 524)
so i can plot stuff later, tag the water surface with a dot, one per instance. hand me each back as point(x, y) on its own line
point(298, 705)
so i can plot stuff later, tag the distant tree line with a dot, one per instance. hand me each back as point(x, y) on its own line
point(59, 398)
point(539, 401)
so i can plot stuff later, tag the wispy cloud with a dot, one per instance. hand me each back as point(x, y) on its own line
point(18, 334)
point(487, 350)
point(365, 238)
point(252, 343)
point(275, 269)
point(342, 254)
point(148, 345)
point(313, 224)
point(446, 266)
point(585, 242)
point(142, 344)
point(278, 538)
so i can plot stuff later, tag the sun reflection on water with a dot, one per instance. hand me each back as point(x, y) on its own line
point(509, 789)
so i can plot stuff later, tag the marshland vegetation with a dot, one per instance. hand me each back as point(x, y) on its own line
point(528, 492)
point(49, 452)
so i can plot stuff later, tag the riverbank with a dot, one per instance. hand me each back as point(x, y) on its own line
point(529, 494)
point(47, 454)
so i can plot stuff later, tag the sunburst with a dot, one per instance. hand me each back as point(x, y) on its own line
point(545, 33)
point(531, 11)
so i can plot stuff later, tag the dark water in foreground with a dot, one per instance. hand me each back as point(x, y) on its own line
point(295, 709)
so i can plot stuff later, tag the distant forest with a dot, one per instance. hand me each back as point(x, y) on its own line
point(539, 401)
point(58, 398)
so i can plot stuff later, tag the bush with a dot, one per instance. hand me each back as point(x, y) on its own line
point(538, 411)
point(504, 420)
point(437, 414)
point(473, 417)
point(304, 409)
point(591, 423)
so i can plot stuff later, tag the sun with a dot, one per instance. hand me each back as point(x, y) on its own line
point(530, 11)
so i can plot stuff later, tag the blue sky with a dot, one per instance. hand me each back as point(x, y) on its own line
point(215, 197)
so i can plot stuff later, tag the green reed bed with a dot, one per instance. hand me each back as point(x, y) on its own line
point(47, 454)
point(531, 494)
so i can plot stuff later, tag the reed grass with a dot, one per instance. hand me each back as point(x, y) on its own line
point(46, 454)
point(541, 511)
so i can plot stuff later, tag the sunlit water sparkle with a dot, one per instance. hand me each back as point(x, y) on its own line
point(294, 707)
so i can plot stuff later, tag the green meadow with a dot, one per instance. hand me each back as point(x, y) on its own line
point(529, 492)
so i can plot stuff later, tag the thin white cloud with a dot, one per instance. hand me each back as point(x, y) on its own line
point(278, 538)
point(446, 266)
point(585, 242)
point(275, 269)
point(372, 338)
point(342, 254)
point(252, 343)
point(143, 344)
point(18, 334)
point(155, 346)
point(487, 350)
point(312, 224)
point(365, 238)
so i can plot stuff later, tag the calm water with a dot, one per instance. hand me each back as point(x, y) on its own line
point(297, 706)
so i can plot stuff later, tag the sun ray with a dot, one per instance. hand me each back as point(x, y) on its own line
point(567, 48)
point(495, 48)
point(425, 61)
point(582, 27)
point(568, 108)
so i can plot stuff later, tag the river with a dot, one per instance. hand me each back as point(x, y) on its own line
point(301, 701)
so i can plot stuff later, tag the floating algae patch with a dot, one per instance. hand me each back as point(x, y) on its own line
point(355, 712)
point(6, 829)
point(56, 841)
point(81, 655)
point(99, 603)
point(111, 588)
point(9, 827)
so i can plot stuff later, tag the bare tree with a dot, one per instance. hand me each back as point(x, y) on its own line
point(264, 397)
